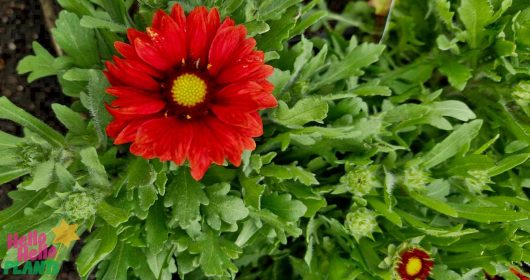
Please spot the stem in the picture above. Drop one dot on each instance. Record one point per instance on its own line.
(387, 23)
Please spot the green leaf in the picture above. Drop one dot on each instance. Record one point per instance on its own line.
(80, 7)
(308, 21)
(39, 65)
(228, 7)
(10, 111)
(451, 145)
(279, 31)
(98, 246)
(273, 9)
(77, 41)
(453, 108)
(475, 14)
(314, 64)
(93, 22)
(21, 200)
(300, 62)
(156, 228)
(114, 216)
(507, 164)
(406, 113)
(304, 111)
(216, 254)
(185, 195)
(147, 196)
(8, 141)
(284, 206)
(256, 27)
(372, 91)
(97, 97)
(446, 232)
(98, 175)
(385, 210)
(434, 204)
(41, 176)
(443, 9)
(360, 57)
(11, 173)
(71, 120)
(224, 207)
(116, 10)
(457, 73)
(488, 215)
(77, 75)
(286, 172)
(140, 173)
(280, 225)
(120, 261)
(252, 191)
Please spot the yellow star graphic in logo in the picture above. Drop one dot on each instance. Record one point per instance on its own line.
(65, 233)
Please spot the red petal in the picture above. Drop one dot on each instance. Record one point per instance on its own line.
(247, 96)
(133, 34)
(127, 76)
(196, 31)
(177, 13)
(130, 92)
(245, 71)
(164, 138)
(138, 105)
(151, 55)
(139, 72)
(128, 133)
(225, 47)
(213, 23)
(115, 127)
(251, 122)
(126, 50)
(175, 39)
(157, 19)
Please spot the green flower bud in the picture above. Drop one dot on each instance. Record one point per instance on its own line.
(359, 181)
(361, 223)
(415, 179)
(521, 92)
(32, 154)
(478, 181)
(79, 207)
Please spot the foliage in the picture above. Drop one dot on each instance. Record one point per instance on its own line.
(421, 140)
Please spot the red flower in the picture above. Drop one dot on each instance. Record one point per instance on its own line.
(189, 88)
(414, 264)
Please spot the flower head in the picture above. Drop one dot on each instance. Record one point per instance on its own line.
(478, 181)
(79, 207)
(361, 223)
(414, 264)
(189, 89)
(415, 179)
(359, 181)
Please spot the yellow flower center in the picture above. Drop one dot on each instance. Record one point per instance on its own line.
(188, 90)
(413, 266)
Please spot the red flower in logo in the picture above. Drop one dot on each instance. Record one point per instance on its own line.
(189, 88)
(414, 264)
